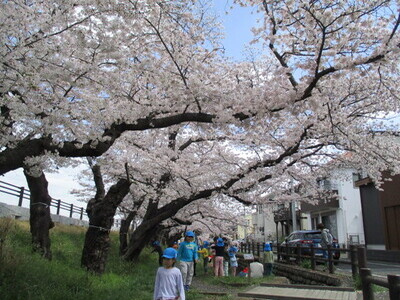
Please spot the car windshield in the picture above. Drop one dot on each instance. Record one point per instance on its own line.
(312, 236)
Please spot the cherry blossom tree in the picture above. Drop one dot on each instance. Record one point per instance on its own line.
(327, 79)
(329, 68)
(76, 76)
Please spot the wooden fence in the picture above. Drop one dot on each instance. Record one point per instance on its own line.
(299, 253)
(392, 282)
(358, 262)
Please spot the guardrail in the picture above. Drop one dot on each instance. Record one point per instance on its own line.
(22, 194)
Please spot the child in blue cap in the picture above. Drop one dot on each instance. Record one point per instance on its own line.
(268, 259)
(187, 255)
(219, 248)
(232, 258)
(169, 284)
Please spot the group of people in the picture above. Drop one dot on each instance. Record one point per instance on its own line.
(172, 282)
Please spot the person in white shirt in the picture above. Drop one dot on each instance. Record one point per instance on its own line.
(169, 283)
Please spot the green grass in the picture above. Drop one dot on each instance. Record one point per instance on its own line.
(25, 275)
(306, 264)
(375, 288)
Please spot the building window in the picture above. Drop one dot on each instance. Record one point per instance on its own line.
(356, 177)
(324, 184)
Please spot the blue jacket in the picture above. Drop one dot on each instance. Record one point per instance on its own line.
(187, 251)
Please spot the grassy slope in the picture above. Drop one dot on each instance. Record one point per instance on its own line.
(24, 275)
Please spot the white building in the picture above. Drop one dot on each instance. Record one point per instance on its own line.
(342, 214)
(263, 225)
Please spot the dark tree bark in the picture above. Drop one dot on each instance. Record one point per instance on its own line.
(12, 158)
(124, 231)
(126, 223)
(40, 219)
(140, 238)
(101, 211)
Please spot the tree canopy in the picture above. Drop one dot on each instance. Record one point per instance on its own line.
(76, 77)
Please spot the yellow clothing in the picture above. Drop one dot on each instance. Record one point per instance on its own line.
(268, 257)
(204, 252)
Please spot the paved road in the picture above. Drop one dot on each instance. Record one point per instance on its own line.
(379, 268)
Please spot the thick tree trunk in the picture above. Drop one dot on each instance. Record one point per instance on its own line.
(143, 234)
(96, 248)
(40, 219)
(101, 217)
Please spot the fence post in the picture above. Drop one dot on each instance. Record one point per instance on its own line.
(353, 260)
(287, 252)
(21, 195)
(365, 275)
(394, 286)
(58, 206)
(298, 253)
(278, 252)
(330, 259)
(362, 257)
(71, 210)
(81, 213)
(312, 249)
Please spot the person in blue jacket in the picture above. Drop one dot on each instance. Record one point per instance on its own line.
(187, 255)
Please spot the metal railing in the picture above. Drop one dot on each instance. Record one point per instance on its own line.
(22, 194)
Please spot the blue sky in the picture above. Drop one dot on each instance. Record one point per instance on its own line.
(237, 23)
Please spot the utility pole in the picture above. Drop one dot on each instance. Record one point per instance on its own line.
(293, 204)
(294, 221)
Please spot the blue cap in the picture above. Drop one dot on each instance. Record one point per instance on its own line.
(170, 253)
(220, 242)
(267, 247)
(189, 233)
(155, 243)
(206, 244)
